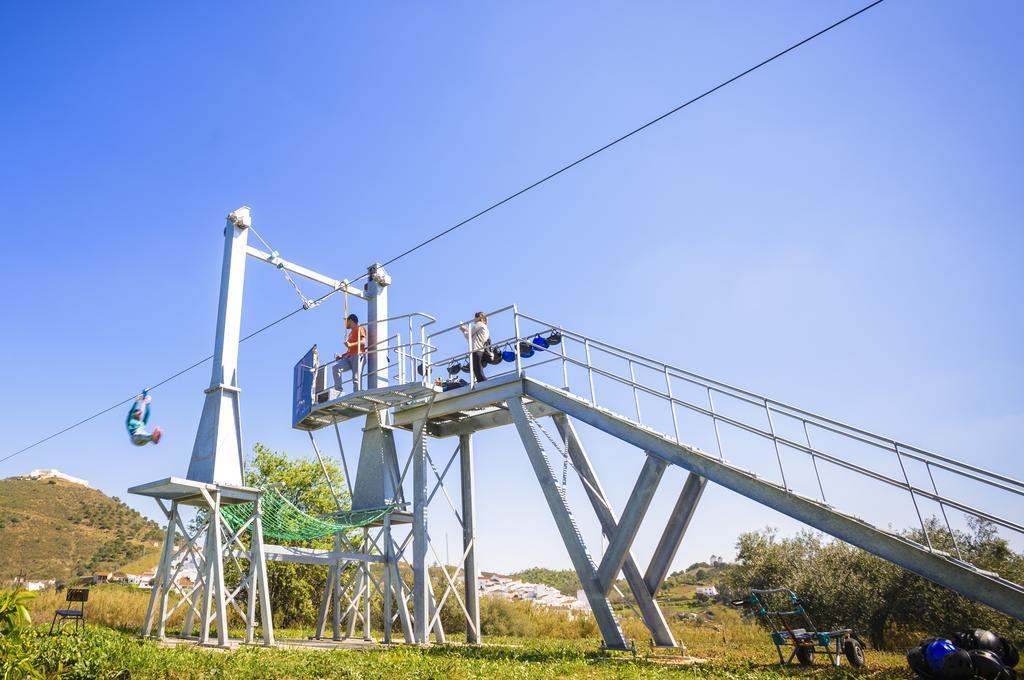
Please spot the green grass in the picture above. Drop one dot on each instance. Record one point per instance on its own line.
(733, 648)
(104, 653)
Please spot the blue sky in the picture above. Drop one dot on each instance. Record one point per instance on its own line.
(841, 230)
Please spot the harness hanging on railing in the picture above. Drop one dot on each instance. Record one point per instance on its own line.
(275, 259)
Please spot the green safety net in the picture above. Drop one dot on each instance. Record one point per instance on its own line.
(282, 520)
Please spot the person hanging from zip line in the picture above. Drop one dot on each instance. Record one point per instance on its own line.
(351, 360)
(138, 418)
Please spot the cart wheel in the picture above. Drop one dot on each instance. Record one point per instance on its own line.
(854, 652)
(805, 655)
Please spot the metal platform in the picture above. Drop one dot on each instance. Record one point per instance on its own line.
(364, 402)
(188, 492)
(462, 410)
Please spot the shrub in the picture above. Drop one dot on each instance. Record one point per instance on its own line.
(14, 614)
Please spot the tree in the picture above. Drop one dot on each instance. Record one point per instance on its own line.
(296, 589)
(843, 586)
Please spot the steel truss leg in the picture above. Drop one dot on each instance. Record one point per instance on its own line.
(420, 576)
(439, 635)
(325, 601)
(353, 609)
(629, 523)
(260, 583)
(367, 632)
(388, 605)
(672, 537)
(215, 589)
(470, 573)
(571, 537)
(649, 609)
(399, 588)
(163, 575)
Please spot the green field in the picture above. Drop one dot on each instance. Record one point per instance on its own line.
(731, 648)
(105, 653)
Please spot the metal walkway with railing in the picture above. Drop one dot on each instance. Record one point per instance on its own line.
(900, 502)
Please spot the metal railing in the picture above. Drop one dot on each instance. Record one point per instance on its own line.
(405, 354)
(786, 429)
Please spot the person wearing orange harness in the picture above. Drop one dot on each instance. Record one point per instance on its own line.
(351, 360)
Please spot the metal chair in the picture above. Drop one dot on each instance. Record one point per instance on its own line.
(80, 595)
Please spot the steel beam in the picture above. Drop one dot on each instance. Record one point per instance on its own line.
(649, 609)
(499, 417)
(491, 392)
(571, 537)
(675, 529)
(281, 263)
(995, 592)
(288, 553)
(633, 514)
(470, 573)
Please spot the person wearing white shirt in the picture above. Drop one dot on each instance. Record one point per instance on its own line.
(479, 337)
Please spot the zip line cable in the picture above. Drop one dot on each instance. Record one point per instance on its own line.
(150, 389)
(445, 232)
(629, 134)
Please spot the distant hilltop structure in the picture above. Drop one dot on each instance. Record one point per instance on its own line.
(54, 473)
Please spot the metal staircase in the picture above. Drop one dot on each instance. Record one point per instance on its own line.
(897, 501)
(860, 487)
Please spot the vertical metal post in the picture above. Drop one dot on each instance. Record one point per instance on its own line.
(208, 577)
(217, 452)
(421, 612)
(590, 372)
(325, 600)
(469, 356)
(814, 461)
(714, 420)
(367, 634)
(470, 573)
(254, 584)
(337, 588)
(266, 615)
(377, 326)
(636, 396)
(162, 586)
(388, 606)
(519, 359)
(565, 363)
(671, 404)
(218, 573)
(775, 440)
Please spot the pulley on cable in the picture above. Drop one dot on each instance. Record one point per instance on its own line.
(275, 259)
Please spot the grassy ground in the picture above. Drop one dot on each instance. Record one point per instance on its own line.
(732, 647)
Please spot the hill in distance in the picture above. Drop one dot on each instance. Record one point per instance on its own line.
(52, 529)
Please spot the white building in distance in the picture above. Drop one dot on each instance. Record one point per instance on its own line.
(53, 473)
